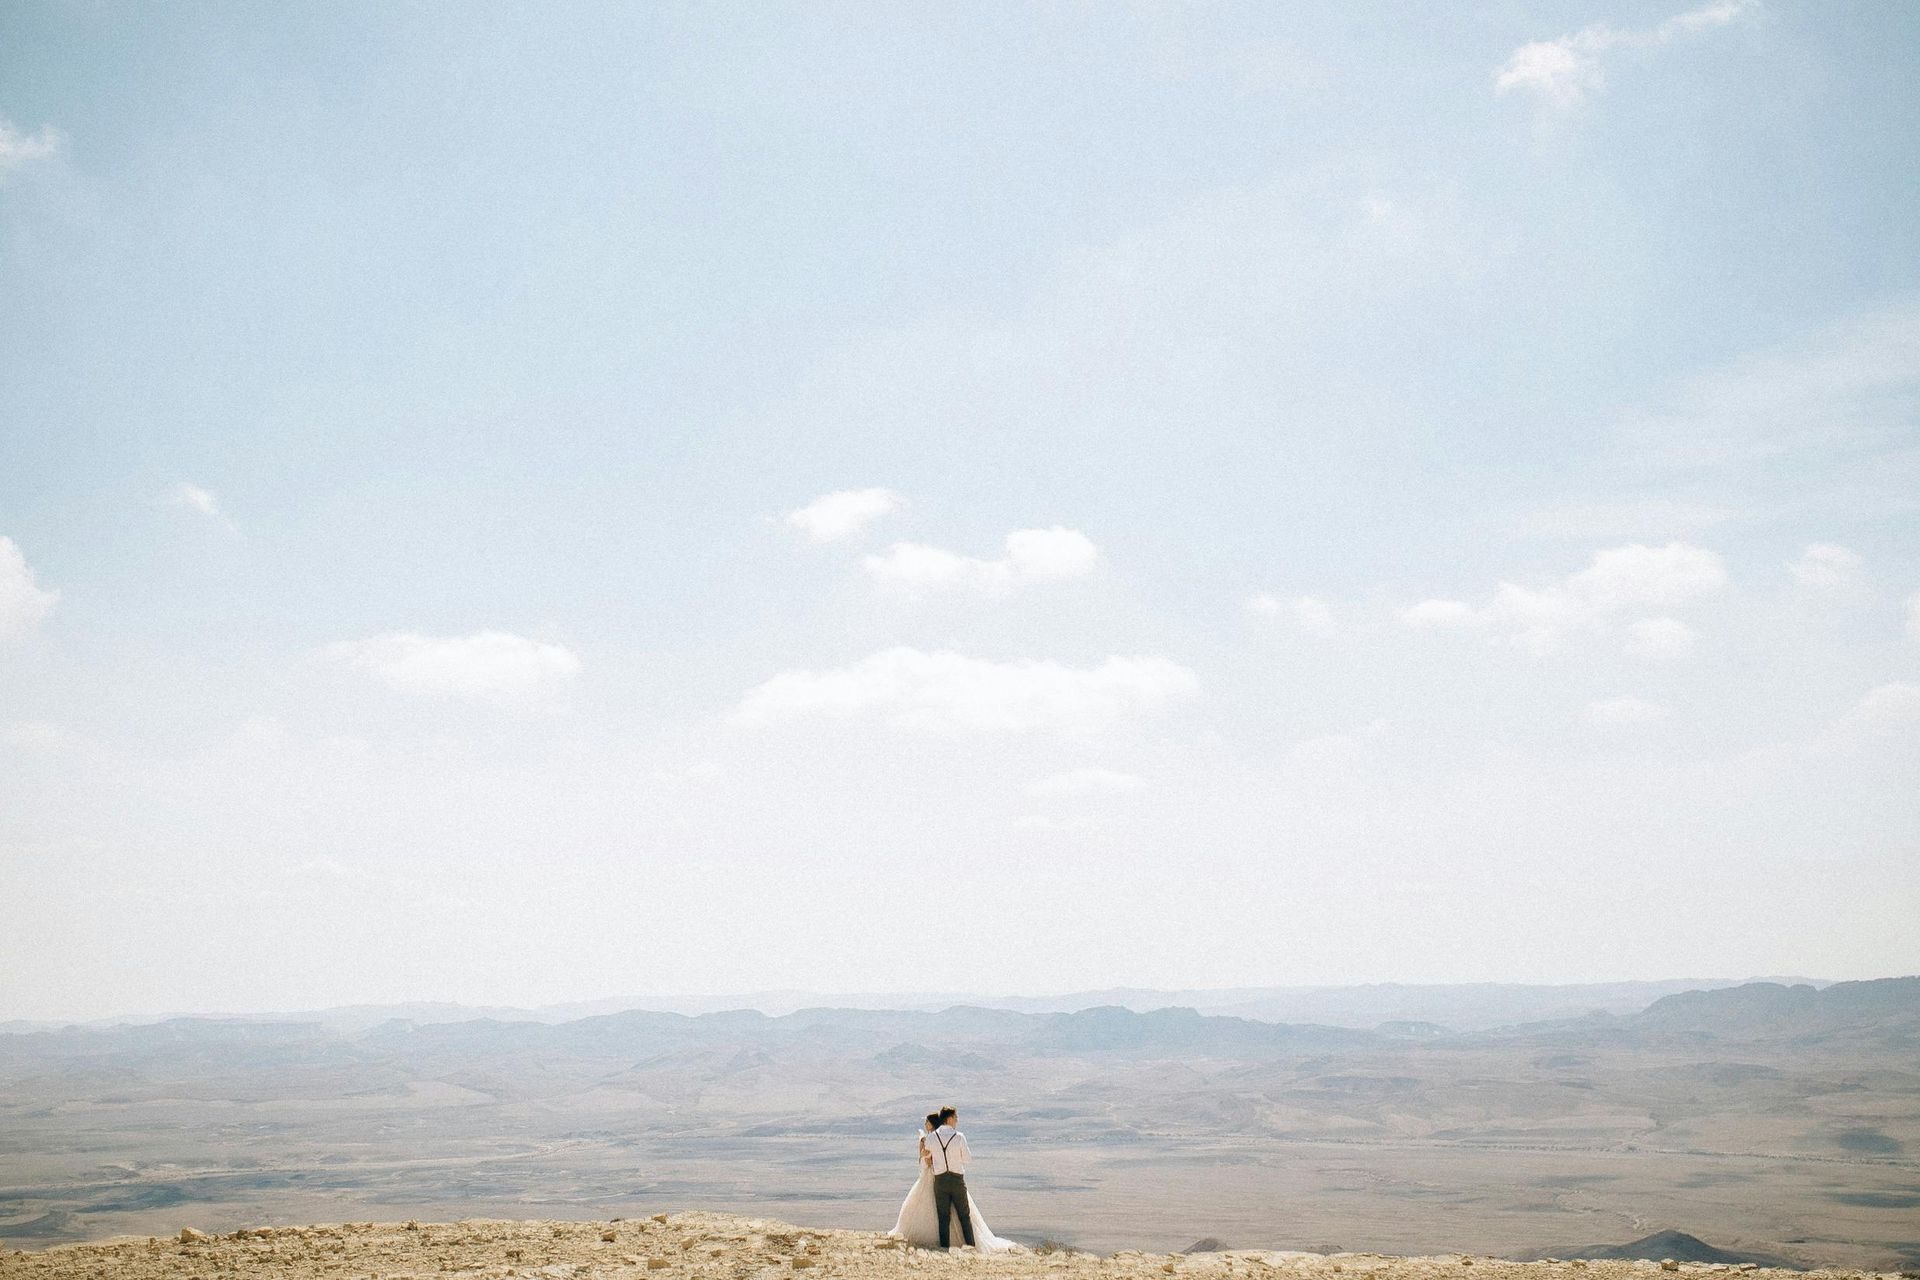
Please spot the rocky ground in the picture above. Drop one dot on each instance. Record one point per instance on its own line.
(708, 1246)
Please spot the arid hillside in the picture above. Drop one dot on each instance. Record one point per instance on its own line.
(711, 1246)
(1780, 1122)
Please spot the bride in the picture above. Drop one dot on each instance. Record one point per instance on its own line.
(919, 1222)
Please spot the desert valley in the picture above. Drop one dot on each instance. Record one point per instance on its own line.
(1778, 1123)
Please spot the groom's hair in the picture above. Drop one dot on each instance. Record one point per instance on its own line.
(947, 1113)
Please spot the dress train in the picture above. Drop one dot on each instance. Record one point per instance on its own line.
(919, 1222)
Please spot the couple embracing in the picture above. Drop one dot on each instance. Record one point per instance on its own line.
(940, 1195)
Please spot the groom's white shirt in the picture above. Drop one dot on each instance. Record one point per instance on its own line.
(948, 1146)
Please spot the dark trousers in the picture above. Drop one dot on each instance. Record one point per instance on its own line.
(950, 1192)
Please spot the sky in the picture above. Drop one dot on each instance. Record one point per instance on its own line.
(518, 504)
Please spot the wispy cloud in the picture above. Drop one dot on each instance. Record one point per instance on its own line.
(1031, 555)
(1619, 580)
(1563, 72)
(943, 690)
(1185, 318)
(194, 498)
(1813, 430)
(1826, 565)
(1308, 613)
(492, 666)
(1851, 389)
(23, 603)
(17, 148)
(846, 513)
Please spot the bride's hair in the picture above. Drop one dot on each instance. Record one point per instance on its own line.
(933, 1119)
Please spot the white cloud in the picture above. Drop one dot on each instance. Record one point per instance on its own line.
(1309, 613)
(192, 495)
(194, 498)
(1659, 639)
(1553, 70)
(942, 690)
(1032, 555)
(1615, 713)
(22, 603)
(17, 148)
(1084, 782)
(1051, 553)
(834, 517)
(1823, 564)
(1623, 577)
(1617, 580)
(488, 665)
(1563, 72)
(1913, 616)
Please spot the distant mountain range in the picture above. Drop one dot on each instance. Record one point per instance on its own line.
(1884, 1011)
(1454, 1006)
(1881, 1015)
(1721, 1110)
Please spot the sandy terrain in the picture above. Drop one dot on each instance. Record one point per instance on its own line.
(1771, 1122)
(722, 1247)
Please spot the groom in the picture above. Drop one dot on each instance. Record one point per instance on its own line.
(948, 1147)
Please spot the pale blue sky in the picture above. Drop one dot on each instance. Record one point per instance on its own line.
(332, 338)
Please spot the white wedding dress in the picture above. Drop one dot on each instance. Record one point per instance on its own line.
(919, 1223)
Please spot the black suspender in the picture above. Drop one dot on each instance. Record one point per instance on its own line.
(944, 1144)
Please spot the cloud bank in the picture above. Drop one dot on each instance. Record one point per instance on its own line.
(835, 517)
(1619, 580)
(1032, 555)
(1824, 565)
(495, 666)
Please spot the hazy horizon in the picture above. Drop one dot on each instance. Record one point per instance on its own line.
(513, 503)
(778, 1002)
